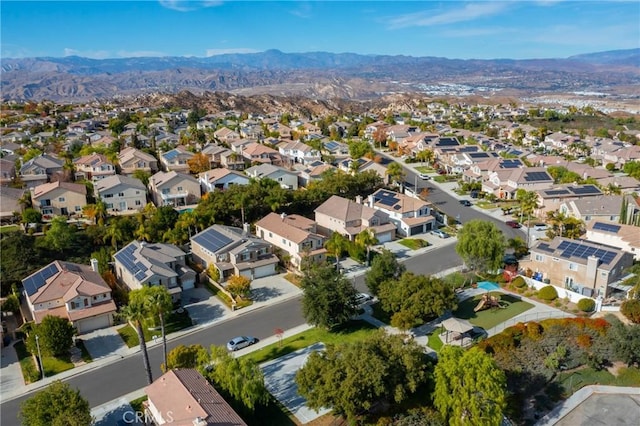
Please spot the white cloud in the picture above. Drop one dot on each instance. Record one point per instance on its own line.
(469, 12)
(214, 52)
(92, 54)
(188, 5)
(303, 10)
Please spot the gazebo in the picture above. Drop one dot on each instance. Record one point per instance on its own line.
(457, 326)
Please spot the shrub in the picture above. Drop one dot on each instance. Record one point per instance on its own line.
(548, 293)
(631, 310)
(586, 305)
(519, 282)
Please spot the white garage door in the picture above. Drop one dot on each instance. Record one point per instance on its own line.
(264, 271)
(90, 324)
(384, 237)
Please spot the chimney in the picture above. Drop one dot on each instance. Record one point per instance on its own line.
(359, 199)
(246, 227)
(370, 200)
(94, 265)
(283, 215)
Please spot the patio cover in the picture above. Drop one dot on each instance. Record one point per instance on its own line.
(457, 325)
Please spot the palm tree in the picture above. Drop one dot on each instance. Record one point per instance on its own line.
(425, 155)
(159, 303)
(115, 233)
(135, 312)
(336, 244)
(528, 202)
(395, 172)
(366, 239)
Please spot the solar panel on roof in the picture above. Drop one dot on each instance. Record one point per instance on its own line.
(608, 227)
(582, 251)
(478, 155)
(557, 192)
(212, 240)
(447, 142)
(38, 279)
(536, 176)
(584, 190)
(510, 164)
(170, 155)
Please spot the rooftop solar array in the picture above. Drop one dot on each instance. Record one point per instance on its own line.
(585, 190)
(386, 198)
(478, 155)
(128, 260)
(447, 142)
(37, 280)
(212, 240)
(331, 145)
(545, 247)
(571, 249)
(608, 227)
(470, 148)
(536, 176)
(557, 192)
(510, 164)
(170, 155)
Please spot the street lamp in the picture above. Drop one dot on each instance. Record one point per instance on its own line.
(40, 356)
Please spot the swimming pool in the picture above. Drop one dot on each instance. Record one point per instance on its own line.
(488, 285)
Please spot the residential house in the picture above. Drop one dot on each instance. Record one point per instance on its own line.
(141, 264)
(285, 178)
(295, 235)
(336, 149)
(131, 159)
(257, 153)
(93, 167)
(550, 200)
(313, 173)
(10, 202)
(214, 153)
(623, 237)
(7, 171)
(176, 160)
(221, 179)
(411, 216)
(41, 169)
(284, 132)
(71, 291)
(121, 193)
(349, 218)
(579, 265)
(174, 189)
(59, 198)
(505, 183)
(232, 160)
(183, 397)
(298, 152)
(226, 135)
(603, 208)
(233, 251)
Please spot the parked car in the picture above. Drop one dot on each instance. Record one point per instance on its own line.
(240, 342)
(424, 176)
(440, 233)
(362, 298)
(466, 203)
(513, 224)
(540, 227)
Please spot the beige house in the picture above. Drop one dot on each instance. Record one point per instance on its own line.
(59, 198)
(174, 189)
(624, 237)
(93, 167)
(411, 216)
(582, 266)
(72, 291)
(176, 160)
(131, 159)
(349, 218)
(121, 193)
(295, 235)
(183, 397)
(41, 169)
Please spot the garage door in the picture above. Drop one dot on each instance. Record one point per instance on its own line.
(417, 230)
(188, 283)
(384, 237)
(264, 271)
(90, 324)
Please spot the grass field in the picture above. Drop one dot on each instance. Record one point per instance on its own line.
(174, 322)
(434, 341)
(9, 228)
(413, 243)
(351, 332)
(491, 317)
(572, 381)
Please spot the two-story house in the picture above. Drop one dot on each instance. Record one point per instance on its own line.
(147, 264)
(233, 251)
(59, 198)
(226, 135)
(349, 218)
(7, 171)
(285, 178)
(504, 183)
(121, 193)
(298, 152)
(221, 179)
(93, 167)
(603, 208)
(295, 235)
(411, 216)
(176, 160)
(10, 201)
(257, 153)
(214, 154)
(174, 189)
(72, 291)
(623, 237)
(579, 265)
(131, 159)
(40, 169)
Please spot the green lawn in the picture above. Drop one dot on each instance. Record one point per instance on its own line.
(9, 228)
(489, 318)
(136, 404)
(425, 169)
(434, 341)
(174, 322)
(30, 372)
(413, 243)
(53, 366)
(572, 381)
(351, 332)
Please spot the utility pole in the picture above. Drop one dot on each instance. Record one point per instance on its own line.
(40, 356)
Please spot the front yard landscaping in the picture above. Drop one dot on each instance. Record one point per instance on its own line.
(413, 243)
(173, 322)
(489, 318)
(29, 367)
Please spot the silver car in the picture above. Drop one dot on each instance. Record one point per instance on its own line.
(240, 342)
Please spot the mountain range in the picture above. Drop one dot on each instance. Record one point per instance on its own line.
(317, 75)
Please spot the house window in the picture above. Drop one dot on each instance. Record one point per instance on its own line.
(86, 302)
(61, 199)
(179, 188)
(73, 305)
(95, 297)
(138, 203)
(284, 241)
(107, 196)
(166, 190)
(78, 208)
(573, 267)
(270, 234)
(539, 258)
(603, 273)
(109, 205)
(120, 194)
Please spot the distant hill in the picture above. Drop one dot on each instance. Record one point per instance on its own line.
(319, 75)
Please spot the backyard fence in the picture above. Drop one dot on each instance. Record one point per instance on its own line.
(536, 316)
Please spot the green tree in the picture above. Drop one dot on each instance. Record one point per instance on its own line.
(625, 340)
(379, 369)
(31, 215)
(239, 285)
(426, 155)
(135, 313)
(358, 149)
(337, 244)
(416, 299)
(192, 356)
(470, 388)
(395, 172)
(158, 303)
(384, 267)
(528, 202)
(329, 297)
(11, 304)
(241, 378)
(55, 335)
(631, 309)
(61, 236)
(142, 175)
(481, 245)
(57, 405)
(366, 239)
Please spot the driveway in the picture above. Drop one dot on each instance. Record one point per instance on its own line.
(279, 378)
(104, 342)
(10, 372)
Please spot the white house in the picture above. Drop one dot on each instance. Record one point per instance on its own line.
(121, 193)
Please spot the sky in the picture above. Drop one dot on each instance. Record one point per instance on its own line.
(512, 29)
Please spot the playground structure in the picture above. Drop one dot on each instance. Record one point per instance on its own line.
(488, 301)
